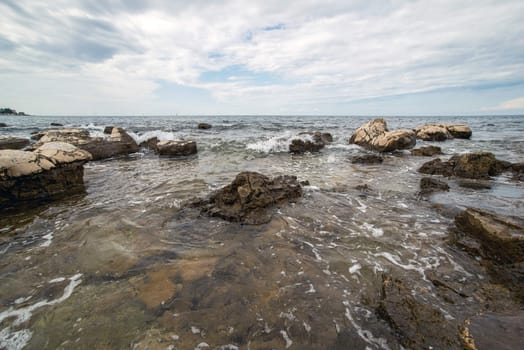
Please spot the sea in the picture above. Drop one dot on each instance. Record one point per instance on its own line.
(118, 267)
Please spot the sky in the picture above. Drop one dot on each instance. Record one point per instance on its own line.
(328, 57)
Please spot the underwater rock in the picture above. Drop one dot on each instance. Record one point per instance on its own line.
(374, 135)
(13, 142)
(428, 151)
(367, 159)
(317, 142)
(479, 165)
(54, 169)
(442, 132)
(429, 185)
(176, 148)
(417, 324)
(204, 126)
(250, 198)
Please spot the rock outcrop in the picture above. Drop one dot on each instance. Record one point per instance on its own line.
(176, 148)
(13, 142)
(480, 165)
(374, 135)
(52, 170)
(204, 126)
(429, 185)
(313, 142)
(442, 132)
(250, 198)
(428, 151)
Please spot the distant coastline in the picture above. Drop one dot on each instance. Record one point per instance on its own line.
(10, 111)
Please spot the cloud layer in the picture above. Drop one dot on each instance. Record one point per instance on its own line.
(238, 56)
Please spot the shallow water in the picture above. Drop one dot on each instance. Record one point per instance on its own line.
(120, 267)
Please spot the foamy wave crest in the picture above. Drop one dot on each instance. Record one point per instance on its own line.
(277, 144)
(161, 135)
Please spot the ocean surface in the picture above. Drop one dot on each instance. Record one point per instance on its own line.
(118, 268)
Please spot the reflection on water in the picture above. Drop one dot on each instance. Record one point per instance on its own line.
(120, 267)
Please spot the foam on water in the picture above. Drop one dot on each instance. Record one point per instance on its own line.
(277, 144)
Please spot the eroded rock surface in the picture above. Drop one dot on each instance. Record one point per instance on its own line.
(13, 142)
(428, 151)
(429, 185)
(316, 142)
(176, 148)
(442, 132)
(250, 198)
(480, 165)
(150, 143)
(374, 135)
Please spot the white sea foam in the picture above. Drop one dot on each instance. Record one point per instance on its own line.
(161, 135)
(288, 340)
(365, 334)
(277, 144)
(375, 231)
(48, 239)
(355, 268)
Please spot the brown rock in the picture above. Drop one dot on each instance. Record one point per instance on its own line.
(317, 142)
(13, 142)
(459, 131)
(436, 167)
(479, 165)
(150, 143)
(367, 159)
(176, 148)
(501, 237)
(250, 197)
(374, 135)
(204, 126)
(433, 132)
(429, 185)
(501, 331)
(428, 151)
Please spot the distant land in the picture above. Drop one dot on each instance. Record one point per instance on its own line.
(10, 111)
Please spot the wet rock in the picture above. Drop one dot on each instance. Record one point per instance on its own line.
(518, 171)
(442, 132)
(150, 143)
(475, 184)
(56, 124)
(13, 142)
(204, 126)
(501, 331)
(54, 169)
(428, 151)
(250, 198)
(429, 185)
(37, 135)
(176, 148)
(108, 129)
(3, 125)
(374, 135)
(367, 159)
(417, 324)
(480, 165)
(316, 143)
(501, 237)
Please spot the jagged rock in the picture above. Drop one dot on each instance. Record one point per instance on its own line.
(316, 143)
(429, 185)
(176, 148)
(150, 143)
(3, 125)
(479, 165)
(118, 143)
(501, 237)
(374, 135)
(13, 142)
(204, 126)
(367, 159)
(37, 135)
(54, 169)
(250, 197)
(442, 132)
(428, 151)
(418, 325)
(501, 331)
(56, 124)
(108, 130)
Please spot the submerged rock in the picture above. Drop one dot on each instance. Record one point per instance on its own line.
(250, 198)
(428, 151)
(317, 142)
(429, 185)
(13, 142)
(367, 159)
(150, 143)
(442, 132)
(501, 237)
(56, 124)
(204, 126)
(417, 324)
(480, 165)
(3, 125)
(374, 135)
(176, 148)
(54, 169)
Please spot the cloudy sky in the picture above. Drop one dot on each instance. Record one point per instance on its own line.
(262, 57)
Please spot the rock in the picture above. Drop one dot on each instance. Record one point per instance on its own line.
(501, 237)
(204, 126)
(367, 159)
(316, 142)
(429, 185)
(442, 132)
(150, 143)
(56, 124)
(501, 331)
(418, 324)
(518, 171)
(3, 125)
(37, 135)
(480, 165)
(13, 142)
(250, 197)
(176, 148)
(108, 130)
(428, 151)
(475, 184)
(55, 169)
(375, 136)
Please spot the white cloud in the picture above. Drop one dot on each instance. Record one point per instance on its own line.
(320, 52)
(514, 104)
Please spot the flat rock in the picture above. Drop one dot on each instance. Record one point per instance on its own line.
(250, 198)
(442, 132)
(501, 237)
(479, 165)
(176, 148)
(428, 151)
(374, 135)
(63, 153)
(367, 159)
(13, 142)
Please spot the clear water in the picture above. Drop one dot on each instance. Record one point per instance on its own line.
(120, 268)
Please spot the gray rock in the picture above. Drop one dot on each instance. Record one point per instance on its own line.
(176, 148)
(204, 126)
(13, 142)
(429, 185)
(367, 159)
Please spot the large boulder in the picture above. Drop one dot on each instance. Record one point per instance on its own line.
(13, 142)
(374, 135)
(53, 170)
(479, 165)
(442, 132)
(250, 198)
(176, 148)
(501, 237)
(310, 142)
(428, 151)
